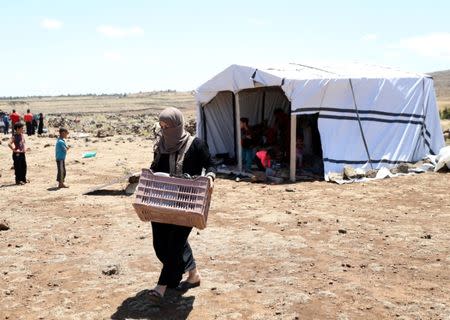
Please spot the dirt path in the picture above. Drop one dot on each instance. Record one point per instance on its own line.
(377, 250)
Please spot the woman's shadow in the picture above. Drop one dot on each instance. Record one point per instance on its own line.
(173, 306)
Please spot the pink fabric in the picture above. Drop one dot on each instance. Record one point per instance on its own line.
(264, 157)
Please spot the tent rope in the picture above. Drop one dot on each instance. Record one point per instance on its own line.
(360, 125)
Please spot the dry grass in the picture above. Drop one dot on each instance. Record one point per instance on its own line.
(148, 102)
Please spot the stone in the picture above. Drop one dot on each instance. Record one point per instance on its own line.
(371, 173)
(103, 134)
(111, 270)
(400, 168)
(342, 231)
(4, 225)
(350, 173)
(335, 176)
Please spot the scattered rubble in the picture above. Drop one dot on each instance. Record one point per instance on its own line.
(111, 124)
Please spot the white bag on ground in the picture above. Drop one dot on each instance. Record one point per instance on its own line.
(442, 159)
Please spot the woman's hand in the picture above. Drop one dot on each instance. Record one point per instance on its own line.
(211, 181)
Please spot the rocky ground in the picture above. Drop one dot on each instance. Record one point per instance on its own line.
(310, 250)
(110, 124)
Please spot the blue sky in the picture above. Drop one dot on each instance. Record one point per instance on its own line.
(61, 47)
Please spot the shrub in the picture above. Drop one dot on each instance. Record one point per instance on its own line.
(445, 114)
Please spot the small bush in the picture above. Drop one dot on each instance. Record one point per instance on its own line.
(445, 114)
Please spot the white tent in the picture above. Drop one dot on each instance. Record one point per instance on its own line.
(368, 116)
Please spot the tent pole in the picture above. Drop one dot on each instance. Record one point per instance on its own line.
(263, 111)
(205, 134)
(360, 125)
(238, 131)
(293, 154)
(233, 98)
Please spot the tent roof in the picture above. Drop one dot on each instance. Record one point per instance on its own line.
(296, 71)
(237, 77)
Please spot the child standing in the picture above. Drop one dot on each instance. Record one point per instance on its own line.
(28, 118)
(247, 145)
(5, 120)
(17, 145)
(60, 154)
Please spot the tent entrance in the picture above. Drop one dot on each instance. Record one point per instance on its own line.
(265, 136)
(308, 146)
(273, 130)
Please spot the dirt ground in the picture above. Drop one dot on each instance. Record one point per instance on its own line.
(310, 250)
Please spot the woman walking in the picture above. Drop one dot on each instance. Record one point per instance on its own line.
(171, 241)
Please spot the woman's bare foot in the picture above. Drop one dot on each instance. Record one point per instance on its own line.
(194, 276)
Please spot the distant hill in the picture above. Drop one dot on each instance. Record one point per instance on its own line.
(442, 84)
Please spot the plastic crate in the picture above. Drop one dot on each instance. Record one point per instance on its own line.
(179, 201)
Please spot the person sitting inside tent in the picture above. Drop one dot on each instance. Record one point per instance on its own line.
(264, 159)
(282, 130)
(299, 152)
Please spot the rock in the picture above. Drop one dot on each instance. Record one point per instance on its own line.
(289, 190)
(371, 173)
(111, 270)
(4, 225)
(342, 231)
(400, 168)
(47, 145)
(104, 134)
(350, 173)
(335, 176)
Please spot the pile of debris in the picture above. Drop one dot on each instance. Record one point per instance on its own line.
(350, 174)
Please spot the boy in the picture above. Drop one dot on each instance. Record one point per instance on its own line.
(28, 118)
(60, 153)
(5, 120)
(15, 118)
(17, 145)
(247, 145)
